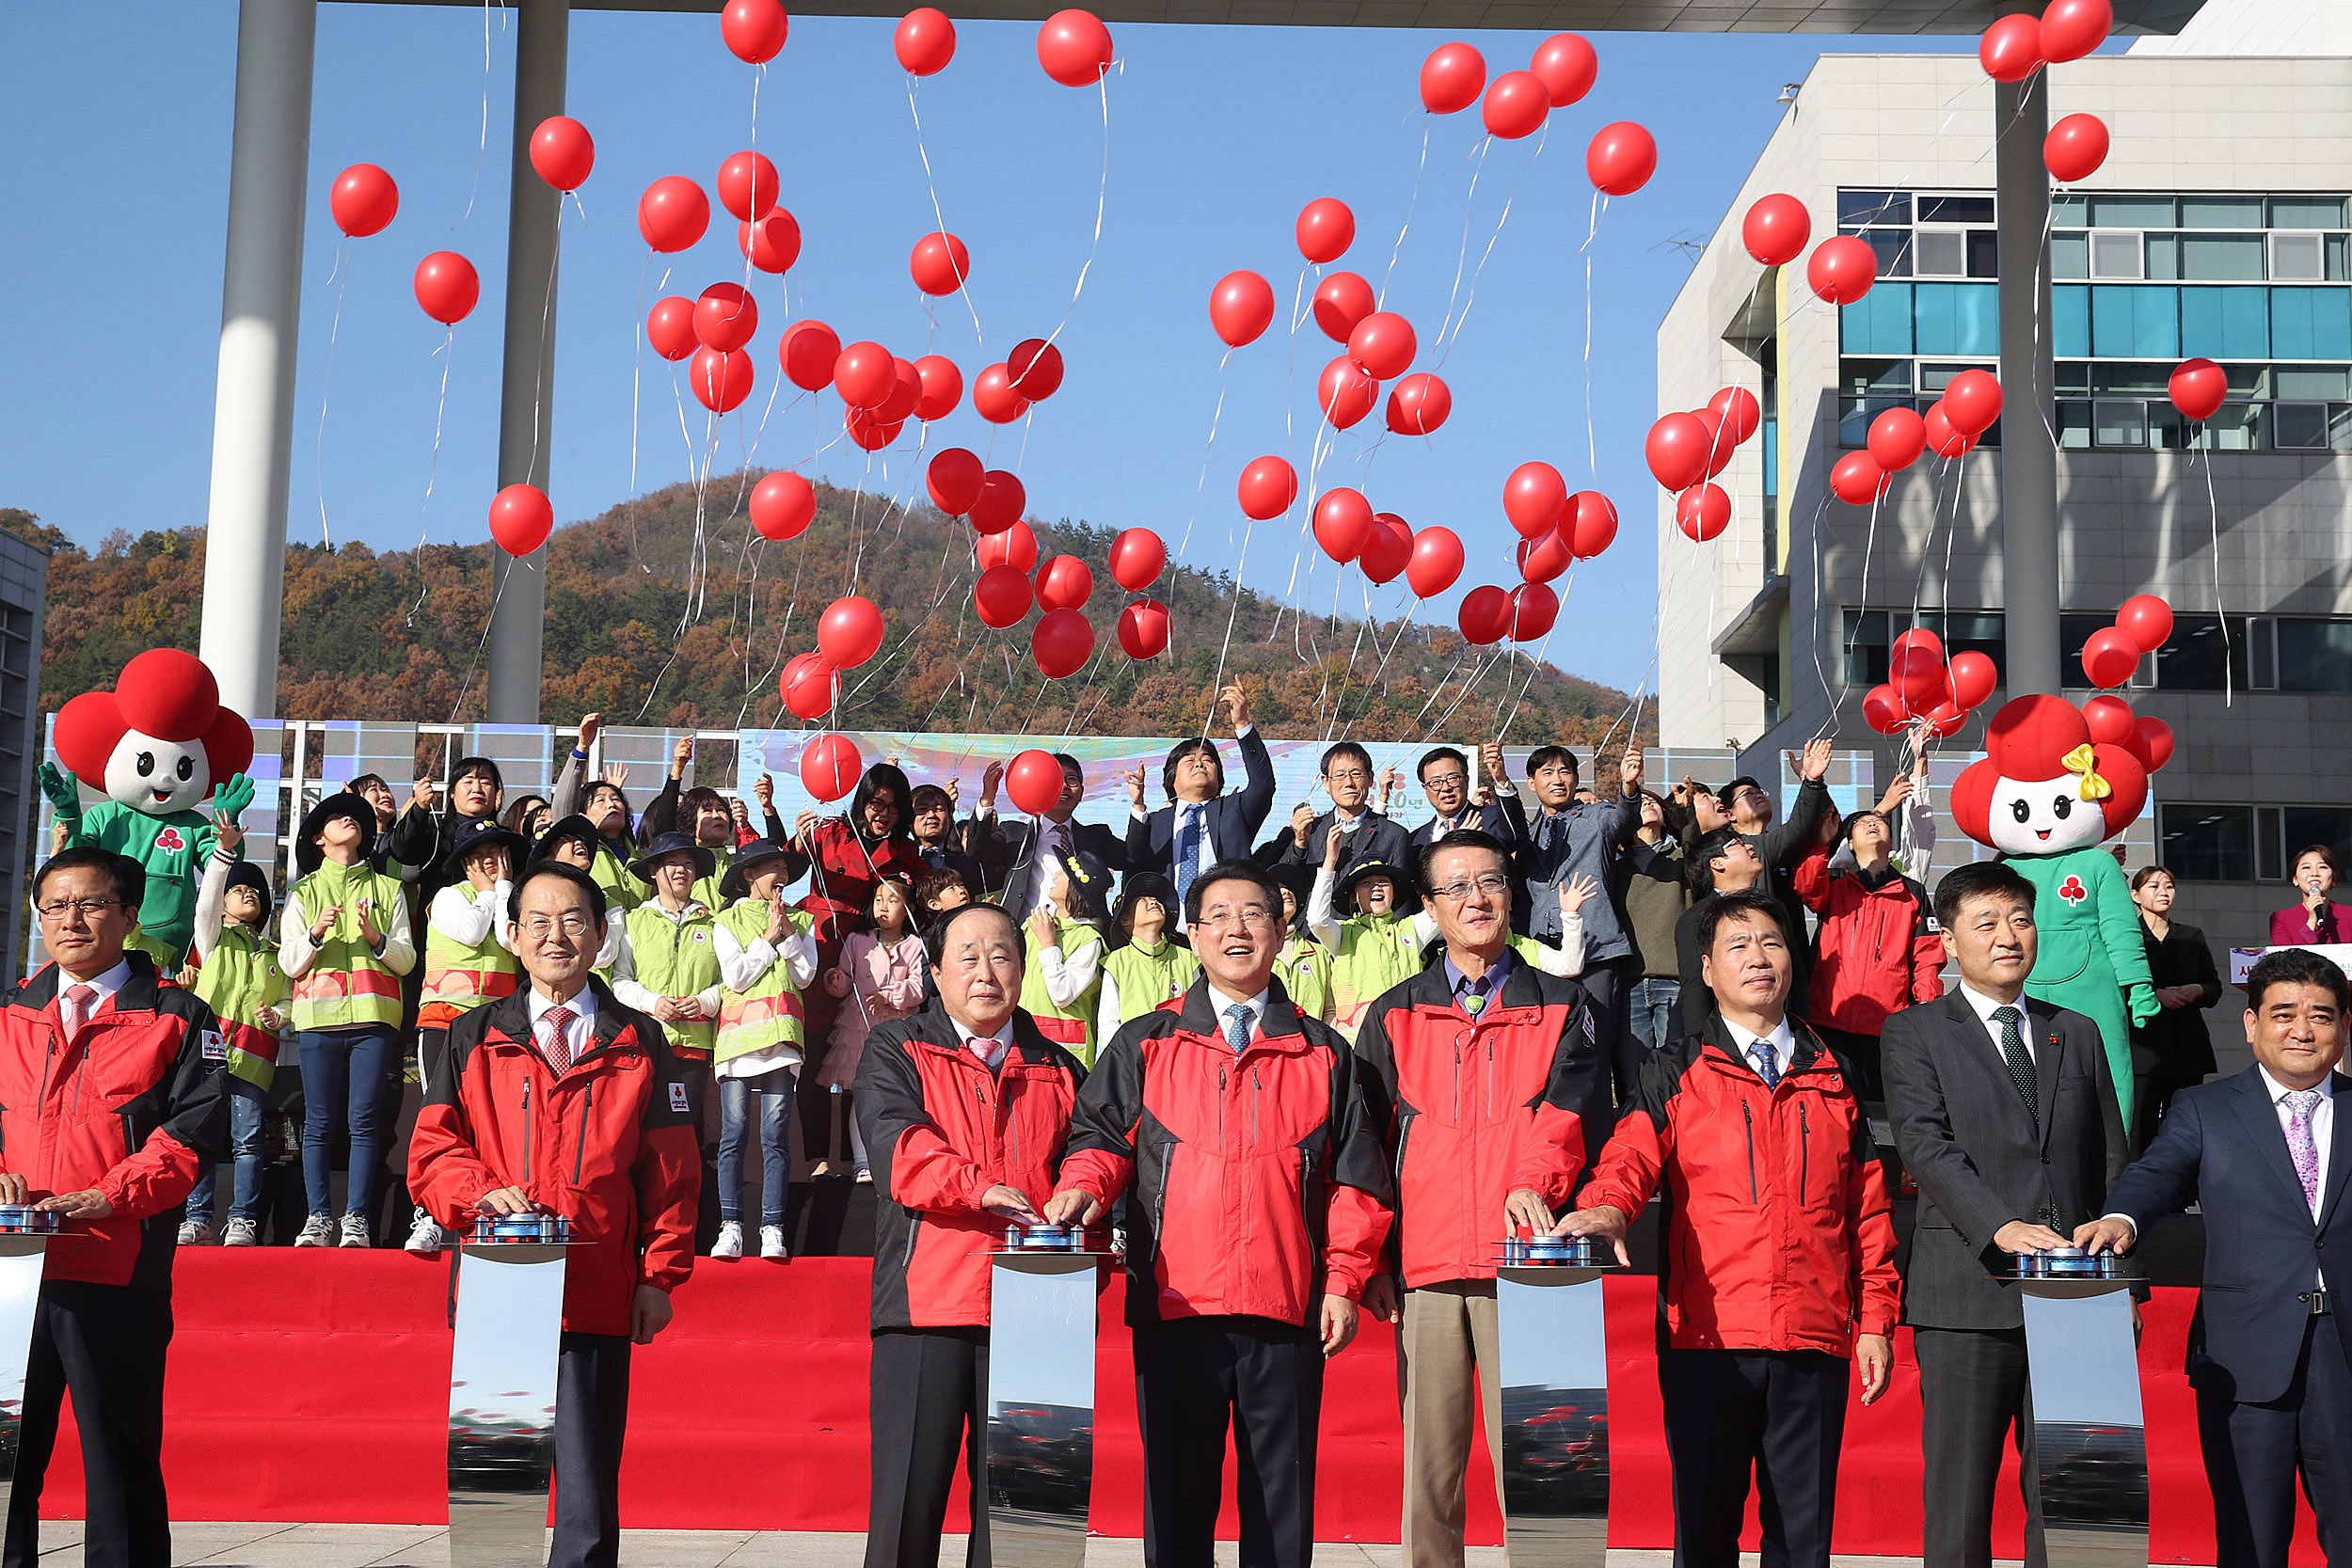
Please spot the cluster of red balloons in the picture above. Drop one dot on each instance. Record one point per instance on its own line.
(1776, 230)
(2015, 47)
(2142, 624)
(1555, 528)
(1952, 427)
(1923, 684)
(1562, 71)
(1686, 451)
(848, 633)
(2149, 739)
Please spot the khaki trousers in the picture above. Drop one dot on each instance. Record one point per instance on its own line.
(1446, 1360)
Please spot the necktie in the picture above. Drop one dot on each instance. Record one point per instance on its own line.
(1548, 833)
(2302, 1145)
(984, 1050)
(2020, 1071)
(558, 1050)
(1187, 849)
(1767, 1063)
(1237, 1027)
(75, 1012)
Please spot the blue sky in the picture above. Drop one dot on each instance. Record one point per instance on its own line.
(114, 169)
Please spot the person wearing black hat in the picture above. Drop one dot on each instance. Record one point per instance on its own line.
(1149, 968)
(238, 976)
(1060, 984)
(1366, 832)
(767, 957)
(668, 964)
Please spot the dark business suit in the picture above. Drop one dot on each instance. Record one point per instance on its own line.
(2273, 1391)
(1232, 819)
(1376, 838)
(1489, 818)
(1981, 1159)
(1011, 856)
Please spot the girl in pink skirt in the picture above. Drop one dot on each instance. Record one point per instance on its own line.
(883, 978)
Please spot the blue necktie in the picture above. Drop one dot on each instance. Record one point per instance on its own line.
(1187, 849)
(1767, 1063)
(1237, 1027)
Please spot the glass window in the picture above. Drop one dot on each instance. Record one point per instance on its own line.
(1892, 246)
(2238, 427)
(2071, 375)
(2070, 325)
(1879, 323)
(2248, 381)
(2307, 212)
(2299, 426)
(1869, 633)
(1942, 253)
(2132, 211)
(2297, 259)
(2311, 324)
(2307, 825)
(2164, 257)
(2120, 423)
(1957, 318)
(2167, 427)
(1984, 253)
(2073, 631)
(2313, 382)
(2225, 324)
(2315, 655)
(2069, 212)
(1873, 207)
(1976, 209)
(2069, 256)
(1862, 377)
(2152, 380)
(2337, 270)
(2073, 424)
(2128, 322)
(2191, 661)
(2206, 844)
(2221, 212)
(2117, 254)
(2222, 258)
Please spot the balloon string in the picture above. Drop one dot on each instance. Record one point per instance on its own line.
(447, 354)
(1410, 205)
(1592, 453)
(482, 149)
(1200, 486)
(341, 277)
(637, 366)
(1501, 218)
(931, 184)
(1102, 197)
(539, 368)
(2213, 511)
(1469, 201)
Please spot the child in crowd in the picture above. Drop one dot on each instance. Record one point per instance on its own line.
(668, 965)
(1303, 965)
(766, 956)
(937, 892)
(1061, 987)
(882, 978)
(1150, 968)
(238, 976)
(528, 817)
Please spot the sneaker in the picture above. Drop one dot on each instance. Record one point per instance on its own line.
(195, 1233)
(318, 1230)
(425, 1237)
(771, 1243)
(865, 1174)
(241, 1233)
(356, 1231)
(730, 1242)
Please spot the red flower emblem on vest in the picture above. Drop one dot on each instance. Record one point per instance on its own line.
(170, 839)
(2073, 891)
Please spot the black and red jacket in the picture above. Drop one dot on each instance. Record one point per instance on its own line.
(940, 1129)
(1877, 949)
(1261, 1185)
(1472, 1110)
(1776, 1234)
(610, 1144)
(132, 1108)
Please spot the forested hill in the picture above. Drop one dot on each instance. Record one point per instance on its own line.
(643, 620)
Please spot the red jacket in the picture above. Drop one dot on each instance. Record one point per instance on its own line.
(610, 1145)
(1778, 1235)
(1472, 1111)
(132, 1108)
(1259, 1184)
(1877, 951)
(844, 874)
(940, 1129)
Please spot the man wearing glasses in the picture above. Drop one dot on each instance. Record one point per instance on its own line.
(1487, 1083)
(111, 1111)
(1365, 833)
(1445, 785)
(1260, 1201)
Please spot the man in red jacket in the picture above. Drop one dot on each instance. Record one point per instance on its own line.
(1485, 1077)
(560, 1099)
(110, 1111)
(1877, 950)
(1777, 1261)
(966, 1108)
(1260, 1200)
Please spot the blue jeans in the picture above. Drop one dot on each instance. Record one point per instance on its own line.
(1649, 1009)
(775, 1144)
(343, 1072)
(245, 1144)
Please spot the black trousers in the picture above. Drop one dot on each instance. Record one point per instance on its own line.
(1777, 1414)
(1975, 1399)
(591, 1423)
(929, 1401)
(1604, 982)
(1194, 1378)
(2254, 1452)
(107, 1344)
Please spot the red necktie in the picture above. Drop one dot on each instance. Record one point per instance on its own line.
(75, 1012)
(559, 1049)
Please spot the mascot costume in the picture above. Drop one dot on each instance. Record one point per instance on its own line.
(2048, 798)
(156, 746)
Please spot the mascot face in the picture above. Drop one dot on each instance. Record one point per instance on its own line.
(158, 777)
(2042, 817)
(157, 742)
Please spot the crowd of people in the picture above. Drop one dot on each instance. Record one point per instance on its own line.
(1290, 1078)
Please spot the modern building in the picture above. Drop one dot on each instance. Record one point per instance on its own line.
(2217, 227)
(23, 590)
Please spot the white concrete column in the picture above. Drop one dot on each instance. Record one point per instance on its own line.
(2029, 509)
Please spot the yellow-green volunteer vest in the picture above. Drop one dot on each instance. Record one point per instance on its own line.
(1305, 970)
(1375, 953)
(1149, 977)
(347, 986)
(675, 958)
(707, 888)
(623, 891)
(1071, 1026)
(770, 1014)
(240, 978)
(464, 976)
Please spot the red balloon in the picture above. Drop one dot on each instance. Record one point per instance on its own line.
(1721, 447)
(1972, 401)
(1858, 480)
(1946, 719)
(1678, 450)
(939, 264)
(1036, 367)
(720, 381)
(2075, 147)
(2111, 720)
(811, 686)
(943, 386)
(1920, 637)
(1742, 415)
(1486, 616)
(1943, 439)
(1916, 672)
(1143, 630)
(1546, 556)
(1566, 64)
(869, 430)
(1064, 583)
(783, 506)
(906, 392)
(447, 287)
(2011, 49)
(563, 153)
(994, 399)
(725, 316)
(1534, 609)
(1325, 230)
(772, 242)
(808, 351)
(2072, 28)
(1267, 488)
(1593, 523)
(1516, 105)
(521, 518)
(849, 631)
(756, 30)
(1703, 511)
(2154, 742)
(1062, 643)
(1347, 392)
(1387, 549)
(1002, 596)
(747, 183)
(953, 480)
(1621, 158)
(999, 505)
(1383, 345)
(1883, 711)
(830, 765)
(864, 374)
(1972, 677)
(1075, 48)
(1898, 436)
(363, 198)
(1532, 497)
(1137, 559)
(1241, 307)
(670, 327)
(1451, 78)
(2147, 620)
(1436, 563)
(1015, 547)
(2110, 658)
(1419, 405)
(1343, 522)
(1341, 300)
(1842, 269)
(2198, 388)
(1035, 782)
(1777, 228)
(925, 41)
(672, 213)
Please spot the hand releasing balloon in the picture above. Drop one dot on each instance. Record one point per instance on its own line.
(521, 519)
(925, 41)
(563, 153)
(673, 214)
(447, 287)
(1621, 158)
(1325, 230)
(1075, 48)
(1451, 78)
(363, 200)
(1240, 307)
(1775, 230)
(783, 506)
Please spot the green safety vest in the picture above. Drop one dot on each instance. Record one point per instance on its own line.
(347, 986)
(1072, 1026)
(770, 1014)
(674, 958)
(242, 977)
(465, 976)
(623, 891)
(1375, 954)
(1305, 970)
(707, 888)
(1146, 978)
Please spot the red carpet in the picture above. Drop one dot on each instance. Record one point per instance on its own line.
(313, 1388)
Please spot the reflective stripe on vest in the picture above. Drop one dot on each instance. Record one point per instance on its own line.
(466, 975)
(348, 987)
(346, 998)
(770, 1014)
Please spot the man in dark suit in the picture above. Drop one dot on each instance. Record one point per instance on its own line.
(2266, 1155)
(2006, 1117)
(1367, 835)
(1203, 824)
(1019, 860)
(1445, 784)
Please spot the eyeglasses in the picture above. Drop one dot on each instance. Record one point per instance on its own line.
(1348, 775)
(87, 907)
(1445, 781)
(539, 927)
(1491, 885)
(1250, 918)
